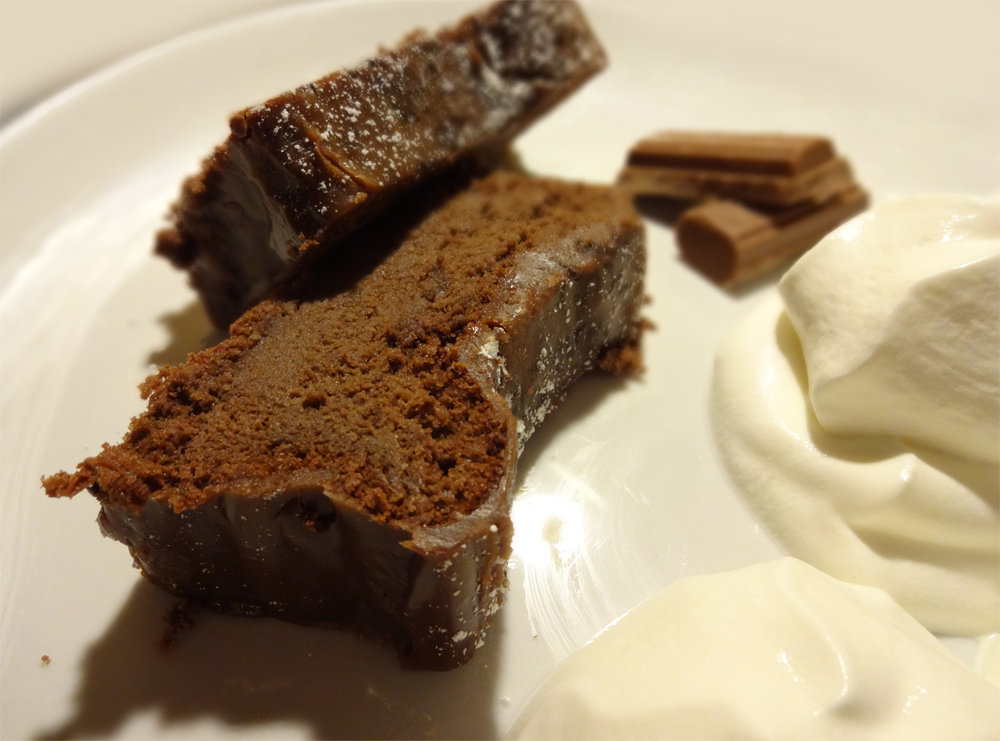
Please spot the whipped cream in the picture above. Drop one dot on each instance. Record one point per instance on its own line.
(777, 650)
(899, 319)
(898, 355)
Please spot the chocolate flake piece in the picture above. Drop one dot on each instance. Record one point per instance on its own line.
(765, 169)
(307, 167)
(731, 243)
(349, 453)
(179, 618)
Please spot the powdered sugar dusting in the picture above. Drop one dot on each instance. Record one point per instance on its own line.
(406, 113)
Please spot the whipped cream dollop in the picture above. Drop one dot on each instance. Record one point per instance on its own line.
(859, 416)
(776, 650)
(899, 319)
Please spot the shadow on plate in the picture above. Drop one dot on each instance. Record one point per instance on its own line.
(247, 672)
(660, 209)
(190, 331)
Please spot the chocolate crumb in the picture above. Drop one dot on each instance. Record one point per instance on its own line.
(179, 617)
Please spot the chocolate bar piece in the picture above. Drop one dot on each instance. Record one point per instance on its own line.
(765, 169)
(307, 167)
(731, 243)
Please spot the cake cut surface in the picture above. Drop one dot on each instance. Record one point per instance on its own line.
(309, 166)
(348, 454)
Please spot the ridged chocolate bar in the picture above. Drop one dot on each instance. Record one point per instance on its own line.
(731, 243)
(762, 169)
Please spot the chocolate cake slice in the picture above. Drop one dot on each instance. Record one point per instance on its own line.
(307, 167)
(348, 454)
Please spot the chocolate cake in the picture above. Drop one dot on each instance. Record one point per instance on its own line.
(307, 167)
(348, 454)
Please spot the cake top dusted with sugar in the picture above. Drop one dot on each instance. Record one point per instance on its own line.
(303, 170)
(473, 82)
(353, 133)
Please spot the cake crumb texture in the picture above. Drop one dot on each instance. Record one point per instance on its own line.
(362, 393)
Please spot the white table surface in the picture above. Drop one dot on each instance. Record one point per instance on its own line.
(47, 45)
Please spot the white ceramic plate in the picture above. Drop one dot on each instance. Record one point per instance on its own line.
(620, 491)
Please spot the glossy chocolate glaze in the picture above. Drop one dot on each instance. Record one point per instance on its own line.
(309, 166)
(304, 556)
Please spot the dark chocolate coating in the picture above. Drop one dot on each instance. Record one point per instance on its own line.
(311, 165)
(306, 557)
